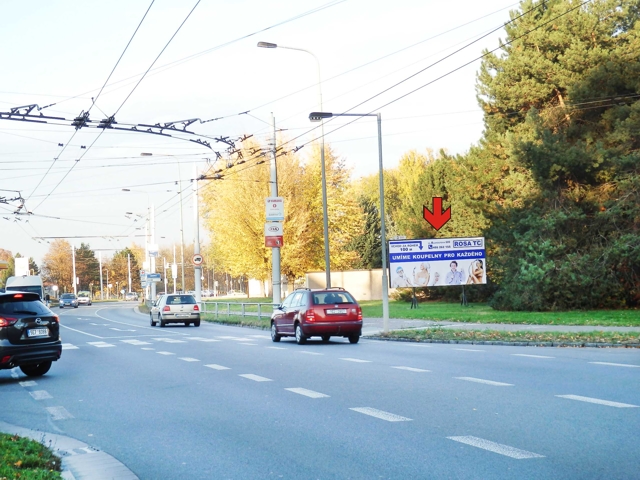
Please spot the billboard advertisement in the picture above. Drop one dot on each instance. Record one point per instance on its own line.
(437, 262)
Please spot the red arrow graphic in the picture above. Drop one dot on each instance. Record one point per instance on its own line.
(438, 218)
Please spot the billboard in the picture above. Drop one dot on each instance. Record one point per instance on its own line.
(437, 262)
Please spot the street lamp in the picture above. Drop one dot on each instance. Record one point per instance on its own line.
(325, 218)
(319, 116)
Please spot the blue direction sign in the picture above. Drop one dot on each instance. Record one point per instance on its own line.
(153, 277)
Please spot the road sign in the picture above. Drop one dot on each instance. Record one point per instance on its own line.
(274, 208)
(174, 270)
(437, 262)
(197, 259)
(153, 277)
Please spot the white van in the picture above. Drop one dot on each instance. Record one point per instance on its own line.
(26, 283)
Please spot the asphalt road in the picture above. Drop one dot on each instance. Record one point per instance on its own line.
(220, 402)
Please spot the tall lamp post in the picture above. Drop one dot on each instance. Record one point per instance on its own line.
(319, 116)
(325, 218)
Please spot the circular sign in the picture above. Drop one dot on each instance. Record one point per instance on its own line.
(197, 259)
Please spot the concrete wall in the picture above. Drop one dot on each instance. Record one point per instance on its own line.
(362, 284)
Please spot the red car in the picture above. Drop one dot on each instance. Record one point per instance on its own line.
(317, 313)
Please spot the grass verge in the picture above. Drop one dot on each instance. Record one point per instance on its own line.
(26, 459)
(237, 320)
(583, 338)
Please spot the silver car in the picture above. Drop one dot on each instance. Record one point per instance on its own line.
(154, 310)
(176, 309)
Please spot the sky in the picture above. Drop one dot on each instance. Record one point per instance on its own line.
(95, 186)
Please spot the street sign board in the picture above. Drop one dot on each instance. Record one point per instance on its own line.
(197, 259)
(153, 277)
(274, 208)
(153, 250)
(437, 262)
(174, 270)
(273, 234)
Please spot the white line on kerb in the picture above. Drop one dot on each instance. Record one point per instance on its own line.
(40, 395)
(496, 447)
(412, 369)
(598, 401)
(307, 393)
(217, 367)
(373, 412)
(487, 382)
(357, 360)
(616, 364)
(256, 378)
(531, 356)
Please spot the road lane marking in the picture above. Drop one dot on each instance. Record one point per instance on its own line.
(422, 346)
(28, 383)
(189, 359)
(486, 382)
(412, 369)
(165, 353)
(40, 395)
(250, 344)
(373, 412)
(168, 340)
(357, 360)
(277, 348)
(531, 356)
(616, 364)
(202, 339)
(260, 336)
(121, 330)
(307, 393)
(59, 413)
(135, 342)
(598, 401)
(468, 350)
(217, 367)
(101, 344)
(147, 348)
(256, 378)
(496, 447)
(80, 331)
(310, 353)
(226, 337)
(69, 346)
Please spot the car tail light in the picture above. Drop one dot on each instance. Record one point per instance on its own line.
(166, 308)
(17, 295)
(196, 308)
(5, 359)
(7, 321)
(310, 316)
(56, 318)
(359, 311)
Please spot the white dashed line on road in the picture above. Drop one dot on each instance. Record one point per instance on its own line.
(411, 369)
(250, 344)
(147, 348)
(69, 346)
(356, 360)
(59, 413)
(616, 364)
(260, 336)
(40, 395)
(135, 342)
(217, 367)
(307, 393)
(28, 383)
(486, 382)
(496, 447)
(256, 378)
(598, 401)
(165, 353)
(307, 352)
(121, 330)
(201, 339)
(189, 359)
(101, 344)
(277, 348)
(530, 356)
(373, 412)
(168, 340)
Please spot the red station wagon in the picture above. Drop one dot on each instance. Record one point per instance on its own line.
(317, 313)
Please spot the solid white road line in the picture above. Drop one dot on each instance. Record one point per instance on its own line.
(496, 447)
(357, 360)
(189, 359)
(135, 342)
(531, 356)
(28, 383)
(486, 382)
(373, 412)
(59, 413)
(411, 369)
(101, 344)
(217, 367)
(468, 350)
(616, 364)
(307, 393)
(40, 395)
(69, 346)
(165, 353)
(598, 401)
(256, 378)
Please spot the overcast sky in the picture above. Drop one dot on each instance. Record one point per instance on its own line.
(62, 52)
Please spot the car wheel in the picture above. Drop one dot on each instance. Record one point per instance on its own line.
(354, 338)
(162, 322)
(36, 370)
(76, 306)
(301, 339)
(326, 338)
(153, 324)
(196, 323)
(61, 306)
(274, 333)
(187, 324)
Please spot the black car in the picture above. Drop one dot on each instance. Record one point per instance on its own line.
(29, 334)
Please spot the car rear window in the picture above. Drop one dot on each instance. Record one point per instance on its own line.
(34, 307)
(181, 300)
(332, 298)
(68, 295)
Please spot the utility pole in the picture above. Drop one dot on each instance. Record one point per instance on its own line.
(155, 252)
(100, 259)
(181, 229)
(275, 251)
(73, 256)
(129, 267)
(197, 269)
(174, 270)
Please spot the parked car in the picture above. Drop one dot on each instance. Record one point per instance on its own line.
(68, 300)
(131, 296)
(29, 334)
(84, 298)
(325, 313)
(177, 309)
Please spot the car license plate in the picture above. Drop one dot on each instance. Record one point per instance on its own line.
(38, 332)
(182, 315)
(337, 310)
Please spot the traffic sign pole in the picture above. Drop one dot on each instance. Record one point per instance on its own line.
(196, 244)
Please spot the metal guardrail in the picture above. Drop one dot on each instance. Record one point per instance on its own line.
(205, 308)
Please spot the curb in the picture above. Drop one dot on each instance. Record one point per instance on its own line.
(507, 343)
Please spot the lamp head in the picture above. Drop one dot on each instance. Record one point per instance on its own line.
(318, 116)
(267, 45)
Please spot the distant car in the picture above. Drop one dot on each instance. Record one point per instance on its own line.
(325, 313)
(131, 296)
(153, 312)
(176, 309)
(84, 298)
(29, 334)
(68, 300)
